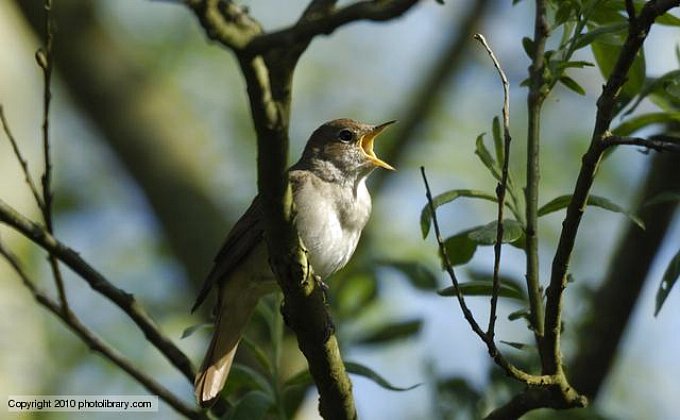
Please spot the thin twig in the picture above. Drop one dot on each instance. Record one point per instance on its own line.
(96, 343)
(20, 158)
(45, 61)
(660, 143)
(98, 282)
(501, 187)
(497, 356)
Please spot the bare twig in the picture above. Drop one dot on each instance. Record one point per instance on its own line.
(45, 60)
(660, 143)
(20, 158)
(96, 343)
(501, 187)
(98, 282)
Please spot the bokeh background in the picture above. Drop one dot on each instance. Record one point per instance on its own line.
(151, 174)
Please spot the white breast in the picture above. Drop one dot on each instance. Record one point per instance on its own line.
(330, 224)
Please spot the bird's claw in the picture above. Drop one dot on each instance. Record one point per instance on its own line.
(323, 286)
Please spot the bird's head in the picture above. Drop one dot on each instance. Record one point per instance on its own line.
(345, 145)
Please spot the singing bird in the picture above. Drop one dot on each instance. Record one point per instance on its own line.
(332, 206)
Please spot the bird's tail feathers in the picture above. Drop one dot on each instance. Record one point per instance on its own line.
(236, 308)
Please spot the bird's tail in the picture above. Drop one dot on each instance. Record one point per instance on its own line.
(237, 303)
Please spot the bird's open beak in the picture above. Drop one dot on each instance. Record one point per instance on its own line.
(367, 145)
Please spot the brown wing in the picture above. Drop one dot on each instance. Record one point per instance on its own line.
(242, 238)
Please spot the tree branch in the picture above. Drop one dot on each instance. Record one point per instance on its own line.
(121, 298)
(501, 187)
(613, 304)
(606, 104)
(325, 24)
(96, 343)
(537, 93)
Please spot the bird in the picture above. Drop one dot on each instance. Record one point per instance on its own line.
(331, 207)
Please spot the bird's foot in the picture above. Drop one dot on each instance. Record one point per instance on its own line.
(323, 286)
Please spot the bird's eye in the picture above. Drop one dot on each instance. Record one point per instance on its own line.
(345, 135)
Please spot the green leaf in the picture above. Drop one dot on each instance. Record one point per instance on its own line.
(606, 57)
(518, 346)
(418, 274)
(192, 329)
(563, 65)
(563, 201)
(392, 332)
(487, 276)
(460, 248)
(259, 354)
(302, 378)
(519, 314)
(486, 158)
(355, 293)
(368, 373)
(572, 84)
(486, 235)
(618, 29)
(669, 279)
(668, 19)
(658, 86)
(253, 406)
(664, 197)
(529, 46)
(483, 288)
(243, 377)
(631, 125)
(447, 197)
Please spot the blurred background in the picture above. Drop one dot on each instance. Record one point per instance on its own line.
(154, 159)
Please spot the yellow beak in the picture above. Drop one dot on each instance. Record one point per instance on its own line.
(366, 143)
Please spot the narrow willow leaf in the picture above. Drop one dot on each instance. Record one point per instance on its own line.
(519, 314)
(572, 84)
(483, 288)
(563, 201)
(417, 273)
(587, 38)
(259, 354)
(361, 370)
(664, 197)
(606, 56)
(658, 85)
(638, 122)
(192, 329)
(244, 377)
(253, 406)
(447, 197)
(302, 378)
(669, 279)
(355, 293)
(518, 346)
(486, 235)
(487, 276)
(529, 47)
(392, 332)
(485, 156)
(460, 248)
